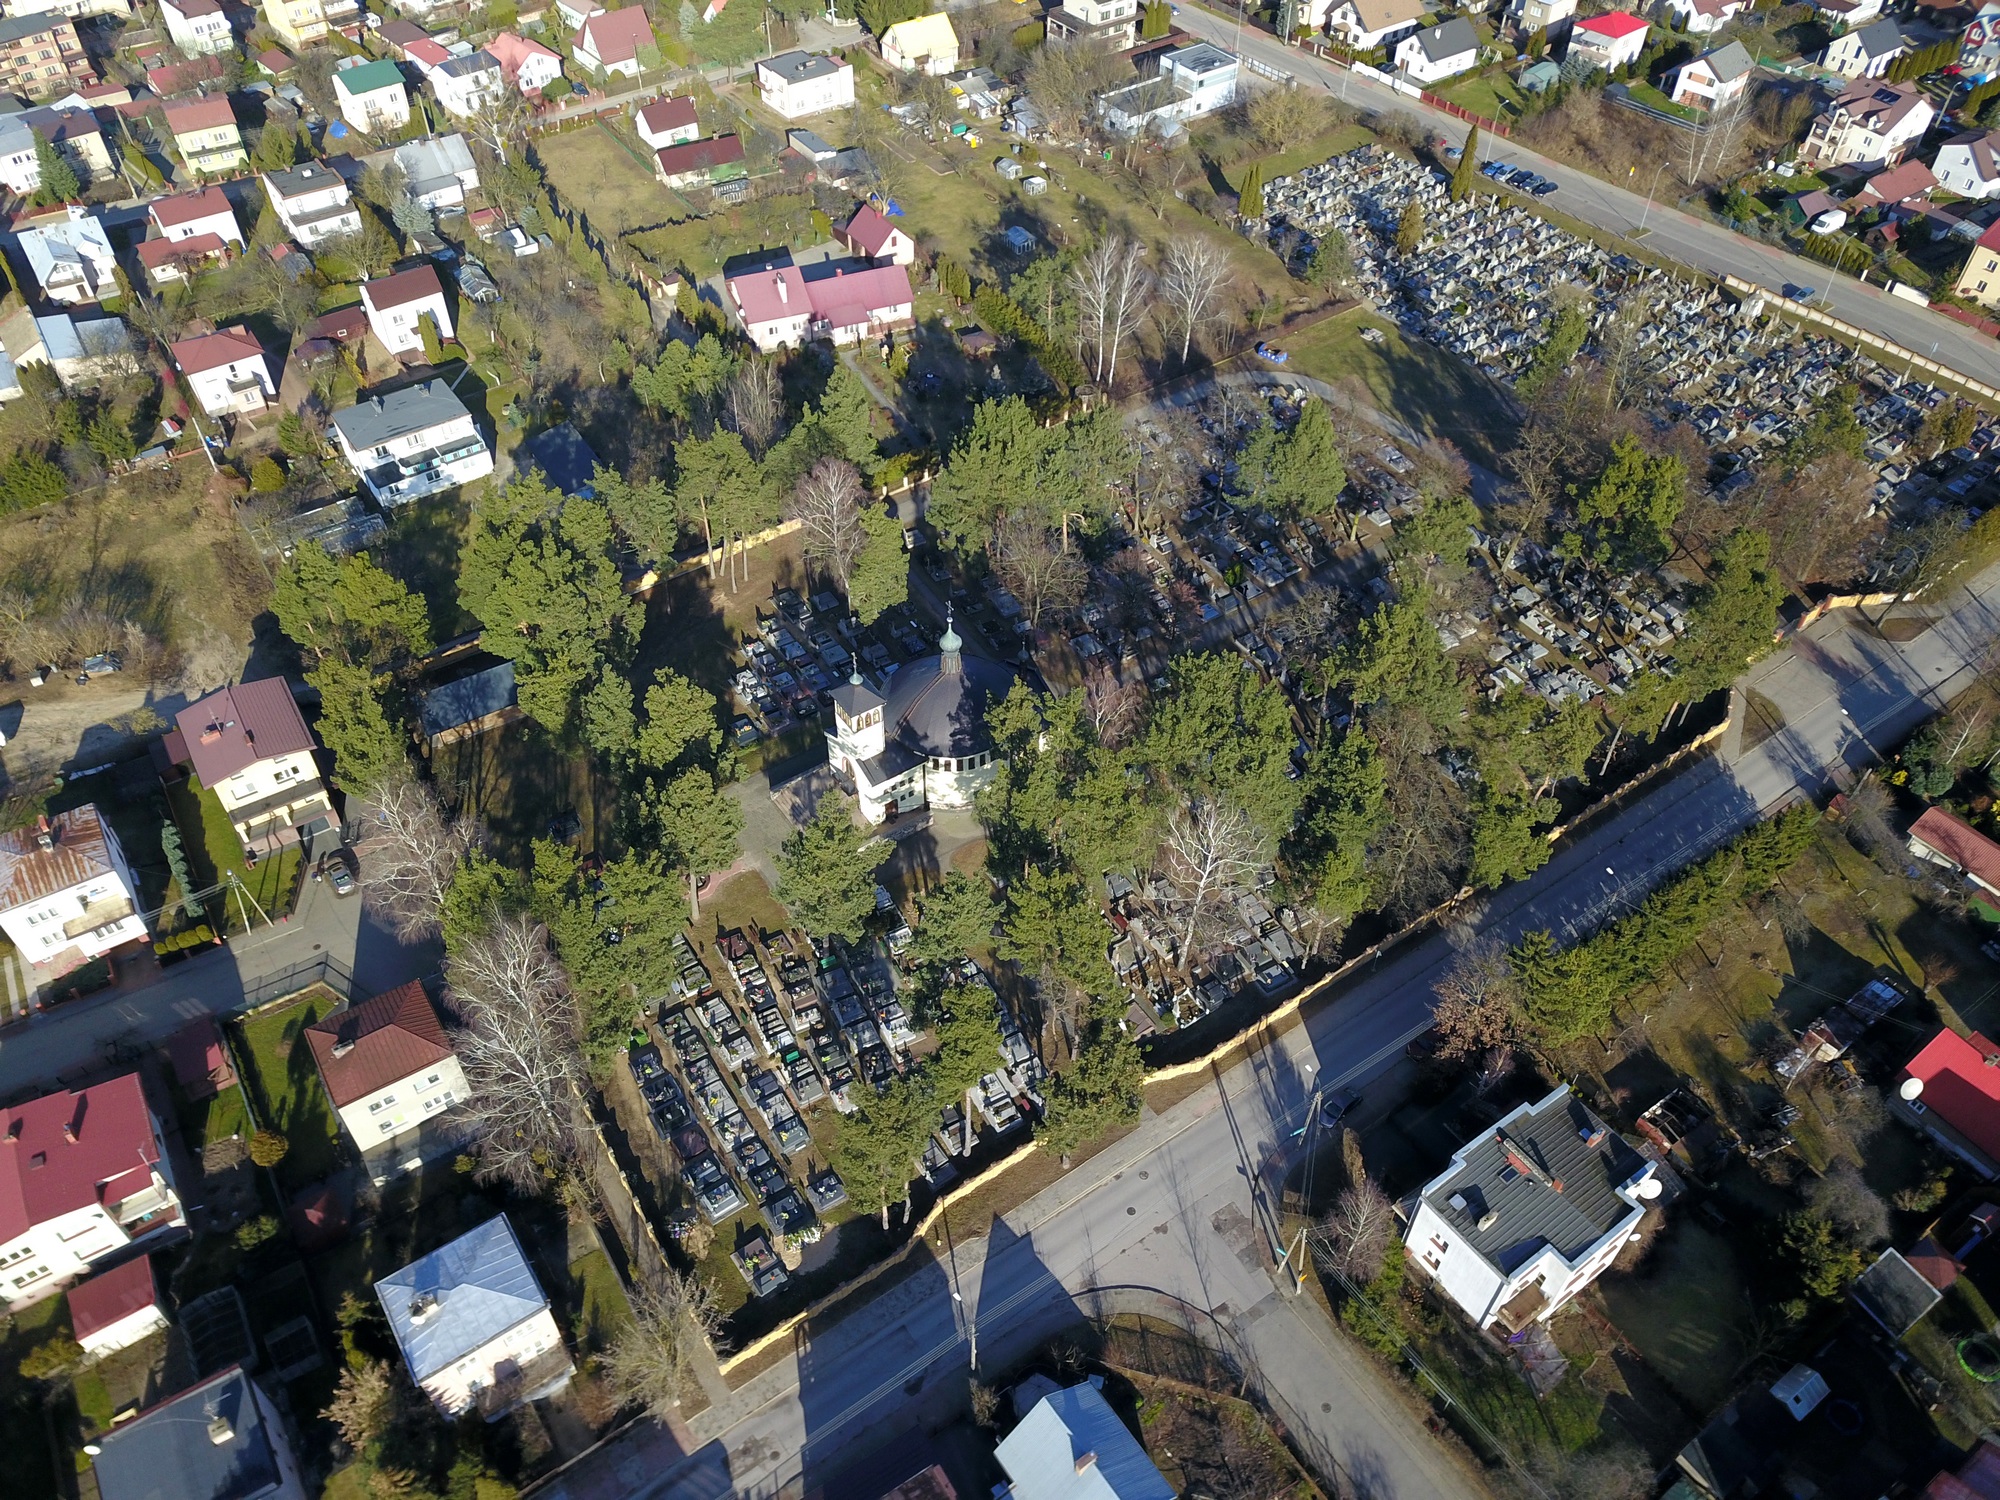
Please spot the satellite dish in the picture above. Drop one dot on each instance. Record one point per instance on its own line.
(1650, 1189)
(1911, 1088)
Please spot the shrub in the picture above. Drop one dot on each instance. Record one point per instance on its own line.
(254, 1232)
(266, 475)
(268, 1148)
(51, 1359)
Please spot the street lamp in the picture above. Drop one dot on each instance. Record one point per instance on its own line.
(1649, 198)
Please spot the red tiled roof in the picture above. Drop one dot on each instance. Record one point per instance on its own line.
(211, 351)
(869, 230)
(427, 52)
(510, 51)
(238, 726)
(192, 8)
(845, 299)
(200, 1061)
(66, 1151)
(342, 325)
(758, 298)
(617, 35)
(676, 113)
(1613, 24)
(78, 852)
(367, 1047)
(402, 288)
(1978, 1478)
(174, 78)
(156, 253)
(276, 61)
(96, 1304)
(185, 208)
(1955, 839)
(1961, 1079)
(699, 156)
(402, 33)
(1910, 179)
(199, 114)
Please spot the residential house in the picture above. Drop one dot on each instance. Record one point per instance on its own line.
(1073, 1446)
(67, 892)
(439, 170)
(1113, 24)
(869, 233)
(1547, 16)
(70, 256)
(249, 746)
(1715, 79)
(20, 161)
(197, 27)
(223, 1439)
(388, 1067)
(668, 122)
(82, 1175)
(474, 1326)
(276, 64)
(701, 163)
(411, 443)
(1869, 124)
(82, 351)
(1939, 837)
(298, 23)
(397, 304)
(573, 13)
(74, 9)
(372, 96)
(396, 36)
(926, 44)
(116, 1309)
(470, 706)
(196, 75)
(228, 371)
(1847, 13)
(205, 134)
(1439, 52)
(526, 65)
(1529, 1213)
(797, 84)
(1865, 53)
(1969, 164)
(616, 41)
(779, 308)
(1909, 182)
(1192, 81)
(426, 53)
(1610, 41)
(74, 131)
(1367, 24)
(188, 216)
(1703, 17)
(465, 85)
(165, 261)
(1951, 1092)
(40, 55)
(312, 202)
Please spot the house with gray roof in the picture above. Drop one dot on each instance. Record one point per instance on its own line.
(470, 706)
(1529, 1213)
(1716, 78)
(1438, 52)
(1865, 52)
(220, 1440)
(410, 443)
(1073, 1446)
(440, 170)
(474, 1326)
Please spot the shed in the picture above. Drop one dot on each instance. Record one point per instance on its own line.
(470, 706)
(115, 1309)
(565, 459)
(1894, 1293)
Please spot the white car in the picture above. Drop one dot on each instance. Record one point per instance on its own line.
(1829, 222)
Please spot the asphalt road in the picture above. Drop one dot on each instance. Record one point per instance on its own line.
(1182, 1205)
(1666, 231)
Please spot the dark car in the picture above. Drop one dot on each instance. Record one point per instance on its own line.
(1543, 188)
(1521, 178)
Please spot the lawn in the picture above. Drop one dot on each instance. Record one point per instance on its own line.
(592, 171)
(603, 1308)
(1684, 1311)
(1437, 394)
(215, 853)
(1492, 95)
(278, 1068)
(21, 1424)
(1652, 98)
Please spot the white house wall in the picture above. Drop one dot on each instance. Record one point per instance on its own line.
(404, 1104)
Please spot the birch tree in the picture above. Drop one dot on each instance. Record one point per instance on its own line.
(655, 1360)
(500, 122)
(1196, 271)
(413, 853)
(1211, 852)
(1112, 286)
(827, 506)
(519, 1049)
(1359, 1228)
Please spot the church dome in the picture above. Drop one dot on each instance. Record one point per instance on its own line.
(937, 705)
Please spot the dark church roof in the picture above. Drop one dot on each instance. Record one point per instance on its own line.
(938, 706)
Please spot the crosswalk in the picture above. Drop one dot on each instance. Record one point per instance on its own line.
(17, 989)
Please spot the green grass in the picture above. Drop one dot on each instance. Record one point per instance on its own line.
(215, 853)
(1336, 142)
(21, 1429)
(1437, 394)
(603, 1307)
(93, 1401)
(1492, 95)
(1646, 94)
(278, 1064)
(1684, 1311)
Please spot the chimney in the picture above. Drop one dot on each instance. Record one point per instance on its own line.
(1085, 1462)
(342, 1048)
(45, 835)
(784, 292)
(69, 1134)
(220, 1432)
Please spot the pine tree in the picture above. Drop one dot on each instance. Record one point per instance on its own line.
(58, 177)
(881, 578)
(1466, 173)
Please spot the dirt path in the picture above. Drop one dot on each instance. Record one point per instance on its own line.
(65, 727)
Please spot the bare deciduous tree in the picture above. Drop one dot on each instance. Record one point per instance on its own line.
(519, 1050)
(364, 1404)
(1475, 1010)
(753, 406)
(1197, 269)
(1712, 147)
(414, 850)
(1035, 568)
(1112, 286)
(656, 1357)
(1113, 706)
(827, 506)
(500, 122)
(1285, 115)
(1359, 1229)
(1211, 851)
